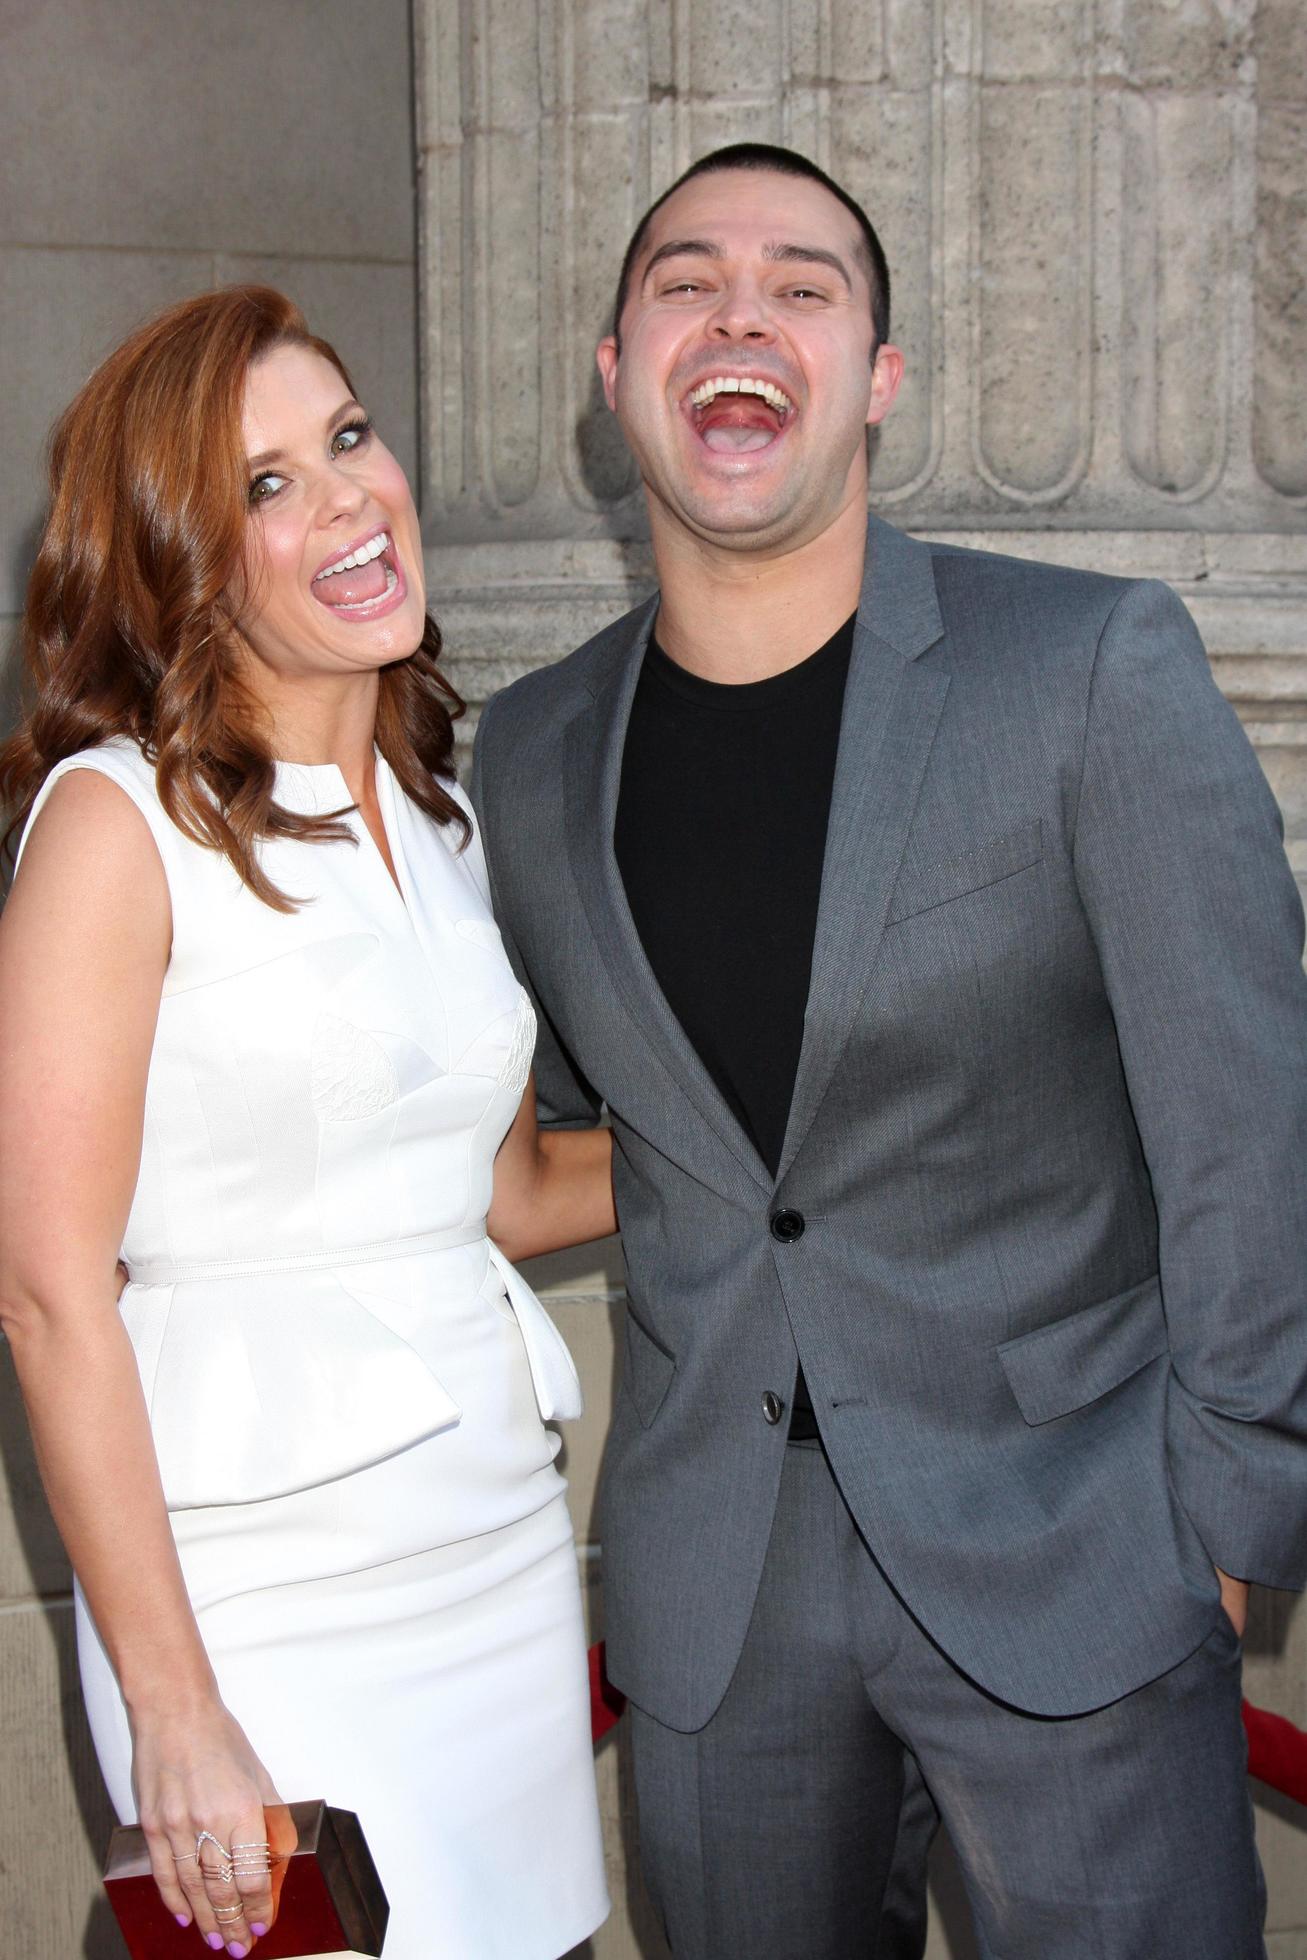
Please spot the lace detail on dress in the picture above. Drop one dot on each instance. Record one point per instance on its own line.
(517, 1062)
(352, 1076)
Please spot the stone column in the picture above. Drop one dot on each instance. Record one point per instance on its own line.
(1096, 216)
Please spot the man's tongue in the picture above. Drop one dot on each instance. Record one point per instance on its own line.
(733, 423)
(353, 588)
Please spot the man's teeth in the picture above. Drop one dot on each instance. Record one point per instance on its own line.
(362, 555)
(733, 384)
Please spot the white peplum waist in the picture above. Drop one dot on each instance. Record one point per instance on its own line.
(256, 1391)
(177, 1272)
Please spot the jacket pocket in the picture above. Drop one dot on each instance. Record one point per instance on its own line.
(921, 886)
(1072, 1361)
(649, 1370)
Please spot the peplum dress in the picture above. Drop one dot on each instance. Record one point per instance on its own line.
(349, 1387)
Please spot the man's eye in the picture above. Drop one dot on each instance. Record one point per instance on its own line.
(265, 487)
(805, 292)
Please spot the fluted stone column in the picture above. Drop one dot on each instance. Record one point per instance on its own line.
(1095, 212)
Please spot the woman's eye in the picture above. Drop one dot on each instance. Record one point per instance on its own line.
(350, 437)
(265, 487)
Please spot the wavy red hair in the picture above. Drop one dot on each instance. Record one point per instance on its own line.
(128, 627)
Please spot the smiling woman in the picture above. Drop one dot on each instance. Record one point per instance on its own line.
(261, 1044)
(175, 541)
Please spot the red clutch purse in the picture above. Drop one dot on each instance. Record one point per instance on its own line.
(330, 1902)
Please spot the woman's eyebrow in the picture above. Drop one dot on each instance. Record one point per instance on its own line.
(266, 456)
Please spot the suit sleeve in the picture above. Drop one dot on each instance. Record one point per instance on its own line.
(564, 1099)
(1199, 929)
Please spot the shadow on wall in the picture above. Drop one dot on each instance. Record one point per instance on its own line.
(37, 1549)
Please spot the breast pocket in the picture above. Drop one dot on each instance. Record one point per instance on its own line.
(924, 884)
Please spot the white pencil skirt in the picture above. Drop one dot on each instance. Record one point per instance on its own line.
(441, 1691)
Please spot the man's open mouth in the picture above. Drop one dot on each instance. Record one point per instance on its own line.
(734, 413)
(362, 576)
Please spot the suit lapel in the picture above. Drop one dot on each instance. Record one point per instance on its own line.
(593, 775)
(892, 703)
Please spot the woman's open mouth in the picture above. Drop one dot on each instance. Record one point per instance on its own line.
(365, 581)
(733, 414)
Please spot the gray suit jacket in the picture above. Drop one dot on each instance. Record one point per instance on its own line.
(1048, 1141)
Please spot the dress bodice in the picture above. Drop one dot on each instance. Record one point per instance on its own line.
(327, 1088)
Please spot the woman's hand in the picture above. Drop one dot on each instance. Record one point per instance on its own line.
(196, 1772)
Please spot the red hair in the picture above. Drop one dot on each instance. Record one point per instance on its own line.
(129, 626)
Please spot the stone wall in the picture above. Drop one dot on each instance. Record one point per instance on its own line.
(1096, 215)
(152, 149)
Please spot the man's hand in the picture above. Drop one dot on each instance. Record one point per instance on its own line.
(1234, 1598)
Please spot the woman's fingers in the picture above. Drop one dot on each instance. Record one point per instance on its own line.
(251, 1856)
(168, 1876)
(179, 1865)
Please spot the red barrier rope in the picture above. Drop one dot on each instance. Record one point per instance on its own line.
(1277, 1751)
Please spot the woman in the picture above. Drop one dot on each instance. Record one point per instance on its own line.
(259, 1039)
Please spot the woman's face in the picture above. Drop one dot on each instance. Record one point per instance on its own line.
(333, 559)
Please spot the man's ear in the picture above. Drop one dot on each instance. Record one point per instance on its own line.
(606, 357)
(886, 374)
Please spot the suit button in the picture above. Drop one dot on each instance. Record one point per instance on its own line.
(787, 1226)
(772, 1406)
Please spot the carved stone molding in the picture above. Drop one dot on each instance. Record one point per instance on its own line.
(1095, 211)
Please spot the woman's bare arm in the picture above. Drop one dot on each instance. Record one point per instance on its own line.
(84, 944)
(552, 1187)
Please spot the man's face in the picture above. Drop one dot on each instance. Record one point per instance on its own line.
(755, 278)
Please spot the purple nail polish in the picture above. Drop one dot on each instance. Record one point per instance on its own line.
(215, 1941)
(236, 1952)
(182, 1918)
(257, 1930)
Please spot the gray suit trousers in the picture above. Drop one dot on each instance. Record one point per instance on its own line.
(770, 1834)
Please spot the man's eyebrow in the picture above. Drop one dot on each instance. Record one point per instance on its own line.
(267, 456)
(676, 248)
(807, 255)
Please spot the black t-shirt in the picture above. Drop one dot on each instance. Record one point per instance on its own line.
(721, 830)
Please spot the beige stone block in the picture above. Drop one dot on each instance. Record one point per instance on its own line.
(1280, 298)
(244, 128)
(911, 32)
(1178, 153)
(593, 1332)
(882, 148)
(368, 313)
(506, 293)
(1033, 40)
(1282, 1846)
(737, 48)
(589, 237)
(713, 123)
(1281, 51)
(608, 55)
(56, 1816)
(1032, 263)
(1189, 43)
(60, 313)
(32, 1559)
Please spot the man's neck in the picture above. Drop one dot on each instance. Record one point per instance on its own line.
(737, 616)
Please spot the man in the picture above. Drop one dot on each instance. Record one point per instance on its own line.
(921, 917)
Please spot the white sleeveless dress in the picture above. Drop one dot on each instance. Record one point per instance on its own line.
(348, 1384)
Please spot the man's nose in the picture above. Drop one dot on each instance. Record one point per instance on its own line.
(741, 314)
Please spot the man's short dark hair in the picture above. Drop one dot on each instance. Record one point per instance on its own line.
(768, 156)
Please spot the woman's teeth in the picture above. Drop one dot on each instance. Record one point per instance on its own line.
(362, 555)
